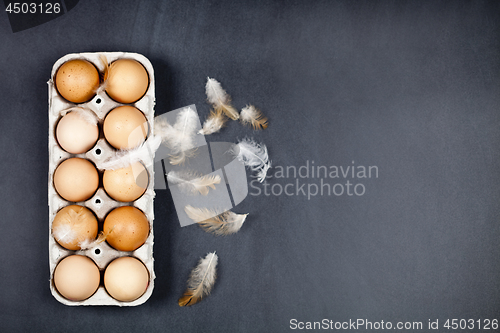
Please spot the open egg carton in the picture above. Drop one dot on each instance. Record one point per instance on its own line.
(100, 203)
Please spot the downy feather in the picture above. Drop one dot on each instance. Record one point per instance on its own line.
(215, 121)
(253, 155)
(87, 244)
(104, 74)
(201, 280)
(123, 158)
(73, 227)
(190, 182)
(64, 232)
(219, 98)
(179, 138)
(252, 116)
(163, 129)
(74, 230)
(222, 224)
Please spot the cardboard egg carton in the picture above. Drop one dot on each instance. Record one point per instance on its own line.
(100, 203)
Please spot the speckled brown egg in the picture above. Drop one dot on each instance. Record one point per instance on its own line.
(126, 184)
(77, 80)
(127, 81)
(126, 227)
(125, 127)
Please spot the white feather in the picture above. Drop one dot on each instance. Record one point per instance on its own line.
(192, 183)
(105, 71)
(186, 123)
(163, 129)
(73, 228)
(219, 224)
(123, 158)
(215, 94)
(215, 121)
(88, 244)
(219, 98)
(84, 114)
(253, 155)
(180, 137)
(201, 280)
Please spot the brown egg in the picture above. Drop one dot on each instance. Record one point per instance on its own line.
(126, 279)
(127, 81)
(76, 277)
(125, 127)
(75, 134)
(77, 80)
(76, 179)
(126, 184)
(74, 225)
(127, 228)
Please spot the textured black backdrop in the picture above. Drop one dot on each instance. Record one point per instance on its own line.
(409, 86)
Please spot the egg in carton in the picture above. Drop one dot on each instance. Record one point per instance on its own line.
(100, 203)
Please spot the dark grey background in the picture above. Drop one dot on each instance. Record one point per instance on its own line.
(409, 86)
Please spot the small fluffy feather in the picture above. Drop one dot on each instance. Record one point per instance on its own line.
(219, 224)
(123, 158)
(252, 116)
(201, 280)
(64, 232)
(105, 64)
(190, 182)
(215, 121)
(185, 124)
(179, 138)
(71, 230)
(161, 125)
(253, 155)
(164, 129)
(219, 98)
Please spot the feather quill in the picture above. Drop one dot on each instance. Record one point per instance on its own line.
(192, 183)
(219, 224)
(123, 158)
(201, 280)
(252, 116)
(179, 137)
(215, 121)
(219, 98)
(253, 155)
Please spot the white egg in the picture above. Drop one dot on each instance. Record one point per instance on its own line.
(126, 279)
